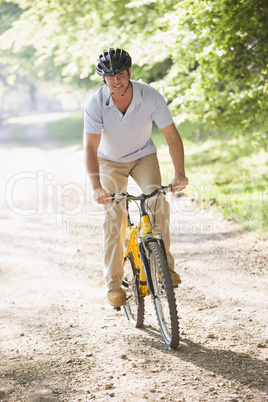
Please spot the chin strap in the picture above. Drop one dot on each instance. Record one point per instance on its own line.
(126, 88)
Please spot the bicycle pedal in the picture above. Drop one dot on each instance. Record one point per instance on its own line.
(175, 286)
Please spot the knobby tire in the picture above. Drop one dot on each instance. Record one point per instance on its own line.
(164, 299)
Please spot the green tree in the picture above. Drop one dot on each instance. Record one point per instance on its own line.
(220, 58)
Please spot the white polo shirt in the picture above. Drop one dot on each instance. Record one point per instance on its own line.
(125, 138)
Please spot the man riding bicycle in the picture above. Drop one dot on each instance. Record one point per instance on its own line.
(117, 141)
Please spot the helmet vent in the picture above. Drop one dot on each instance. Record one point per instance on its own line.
(112, 61)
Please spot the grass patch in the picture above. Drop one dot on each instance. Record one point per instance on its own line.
(20, 139)
(69, 131)
(227, 170)
(230, 172)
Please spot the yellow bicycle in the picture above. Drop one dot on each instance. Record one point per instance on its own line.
(146, 271)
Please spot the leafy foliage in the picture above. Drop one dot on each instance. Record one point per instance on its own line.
(223, 76)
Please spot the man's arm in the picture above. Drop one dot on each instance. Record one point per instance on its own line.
(177, 155)
(91, 144)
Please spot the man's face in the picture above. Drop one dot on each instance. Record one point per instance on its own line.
(119, 82)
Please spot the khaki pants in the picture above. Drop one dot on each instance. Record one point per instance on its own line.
(114, 179)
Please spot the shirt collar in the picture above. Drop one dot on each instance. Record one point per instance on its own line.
(137, 98)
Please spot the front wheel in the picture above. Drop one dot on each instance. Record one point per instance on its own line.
(164, 298)
(134, 307)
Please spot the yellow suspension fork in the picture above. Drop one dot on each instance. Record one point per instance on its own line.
(143, 247)
(146, 230)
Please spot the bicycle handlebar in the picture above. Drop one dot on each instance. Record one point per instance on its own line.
(125, 196)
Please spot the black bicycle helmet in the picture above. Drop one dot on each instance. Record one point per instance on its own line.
(112, 61)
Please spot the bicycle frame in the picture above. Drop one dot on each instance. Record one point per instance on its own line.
(138, 246)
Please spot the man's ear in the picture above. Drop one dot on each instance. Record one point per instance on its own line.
(129, 73)
(104, 80)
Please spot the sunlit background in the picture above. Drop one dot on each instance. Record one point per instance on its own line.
(60, 340)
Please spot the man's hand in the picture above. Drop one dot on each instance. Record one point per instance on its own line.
(100, 196)
(179, 180)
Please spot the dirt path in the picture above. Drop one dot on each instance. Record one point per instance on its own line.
(61, 341)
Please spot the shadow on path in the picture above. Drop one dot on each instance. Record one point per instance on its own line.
(232, 366)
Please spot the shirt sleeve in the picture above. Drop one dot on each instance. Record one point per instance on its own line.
(161, 114)
(93, 119)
